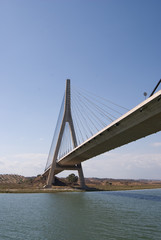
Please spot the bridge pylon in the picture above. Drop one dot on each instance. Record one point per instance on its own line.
(67, 118)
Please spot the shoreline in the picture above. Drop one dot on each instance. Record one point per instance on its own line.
(89, 189)
(19, 184)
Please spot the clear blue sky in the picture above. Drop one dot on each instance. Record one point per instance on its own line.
(110, 47)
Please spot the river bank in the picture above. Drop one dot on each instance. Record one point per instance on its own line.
(21, 184)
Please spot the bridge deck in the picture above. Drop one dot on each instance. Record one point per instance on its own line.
(141, 121)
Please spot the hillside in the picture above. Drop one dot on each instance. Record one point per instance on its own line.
(17, 181)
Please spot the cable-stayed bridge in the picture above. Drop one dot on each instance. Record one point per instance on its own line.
(89, 125)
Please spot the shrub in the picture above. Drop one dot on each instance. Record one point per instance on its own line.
(72, 178)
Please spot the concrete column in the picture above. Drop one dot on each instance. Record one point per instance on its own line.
(81, 177)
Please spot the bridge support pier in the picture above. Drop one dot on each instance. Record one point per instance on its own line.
(81, 177)
(51, 178)
(51, 175)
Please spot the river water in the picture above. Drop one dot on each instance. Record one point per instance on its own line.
(81, 216)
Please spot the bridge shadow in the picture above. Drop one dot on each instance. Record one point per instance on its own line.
(75, 186)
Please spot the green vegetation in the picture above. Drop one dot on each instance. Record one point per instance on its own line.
(72, 178)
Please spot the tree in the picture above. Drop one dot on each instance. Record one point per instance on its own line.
(72, 178)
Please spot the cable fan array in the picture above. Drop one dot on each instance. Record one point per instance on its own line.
(90, 114)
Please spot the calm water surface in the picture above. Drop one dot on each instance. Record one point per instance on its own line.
(81, 216)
